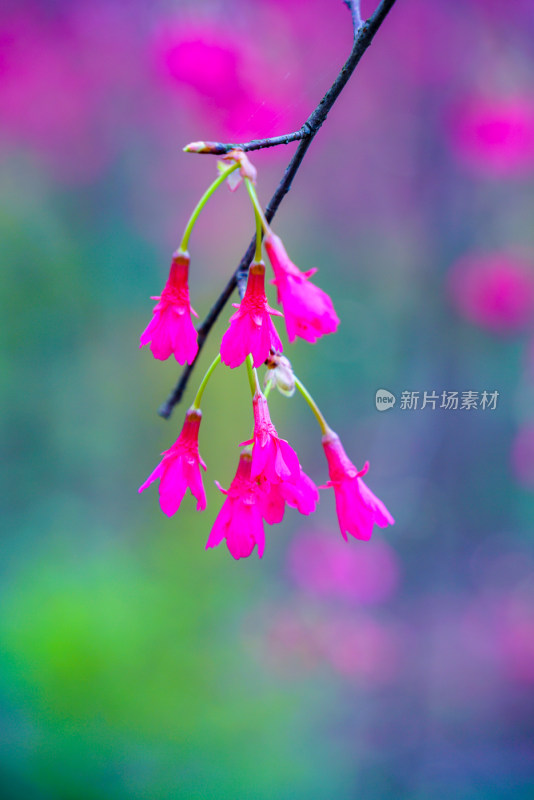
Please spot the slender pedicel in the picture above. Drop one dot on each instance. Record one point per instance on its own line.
(267, 388)
(257, 206)
(202, 202)
(252, 376)
(215, 363)
(314, 407)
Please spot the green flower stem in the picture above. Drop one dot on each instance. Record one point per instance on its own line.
(257, 208)
(252, 376)
(259, 236)
(202, 202)
(268, 388)
(313, 405)
(216, 361)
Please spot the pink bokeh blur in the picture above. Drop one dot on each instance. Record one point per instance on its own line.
(494, 290)
(65, 85)
(494, 135)
(358, 646)
(325, 565)
(226, 81)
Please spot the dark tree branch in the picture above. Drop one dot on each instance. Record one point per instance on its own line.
(219, 149)
(363, 36)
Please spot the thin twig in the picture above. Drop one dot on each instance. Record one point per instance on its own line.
(363, 37)
(354, 8)
(219, 149)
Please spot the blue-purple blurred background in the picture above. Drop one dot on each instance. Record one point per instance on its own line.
(133, 663)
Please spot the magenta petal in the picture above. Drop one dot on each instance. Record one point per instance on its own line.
(152, 477)
(261, 343)
(240, 520)
(172, 487)
(260, 456)
(303, 495)
(273, 504)
(220, 526)
(382, 516)
(161, 345)
(196, 487)
(343, 513)
(291, 460)
(147, 333)
(184, 339)
(235, 344)
(242, 530)
(260, 539)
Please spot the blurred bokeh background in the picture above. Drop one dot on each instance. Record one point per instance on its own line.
(133, 663)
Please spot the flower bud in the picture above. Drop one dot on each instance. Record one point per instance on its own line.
(280, 374)
(233, 180)
(197, 147)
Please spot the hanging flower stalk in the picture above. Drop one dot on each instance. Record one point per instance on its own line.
(269, 475)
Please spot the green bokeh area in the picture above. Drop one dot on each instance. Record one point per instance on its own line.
(126, 671)
(133, 662)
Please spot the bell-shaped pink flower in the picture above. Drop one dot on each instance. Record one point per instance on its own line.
(171, 330)
(251, 328)
(302, 495)
(308, 311)
(357, 507)
(240, 519)
(273, 459)
(180, 468)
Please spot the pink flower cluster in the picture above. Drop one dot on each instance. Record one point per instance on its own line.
(269, 475)
(309, 312)
(267, 479)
